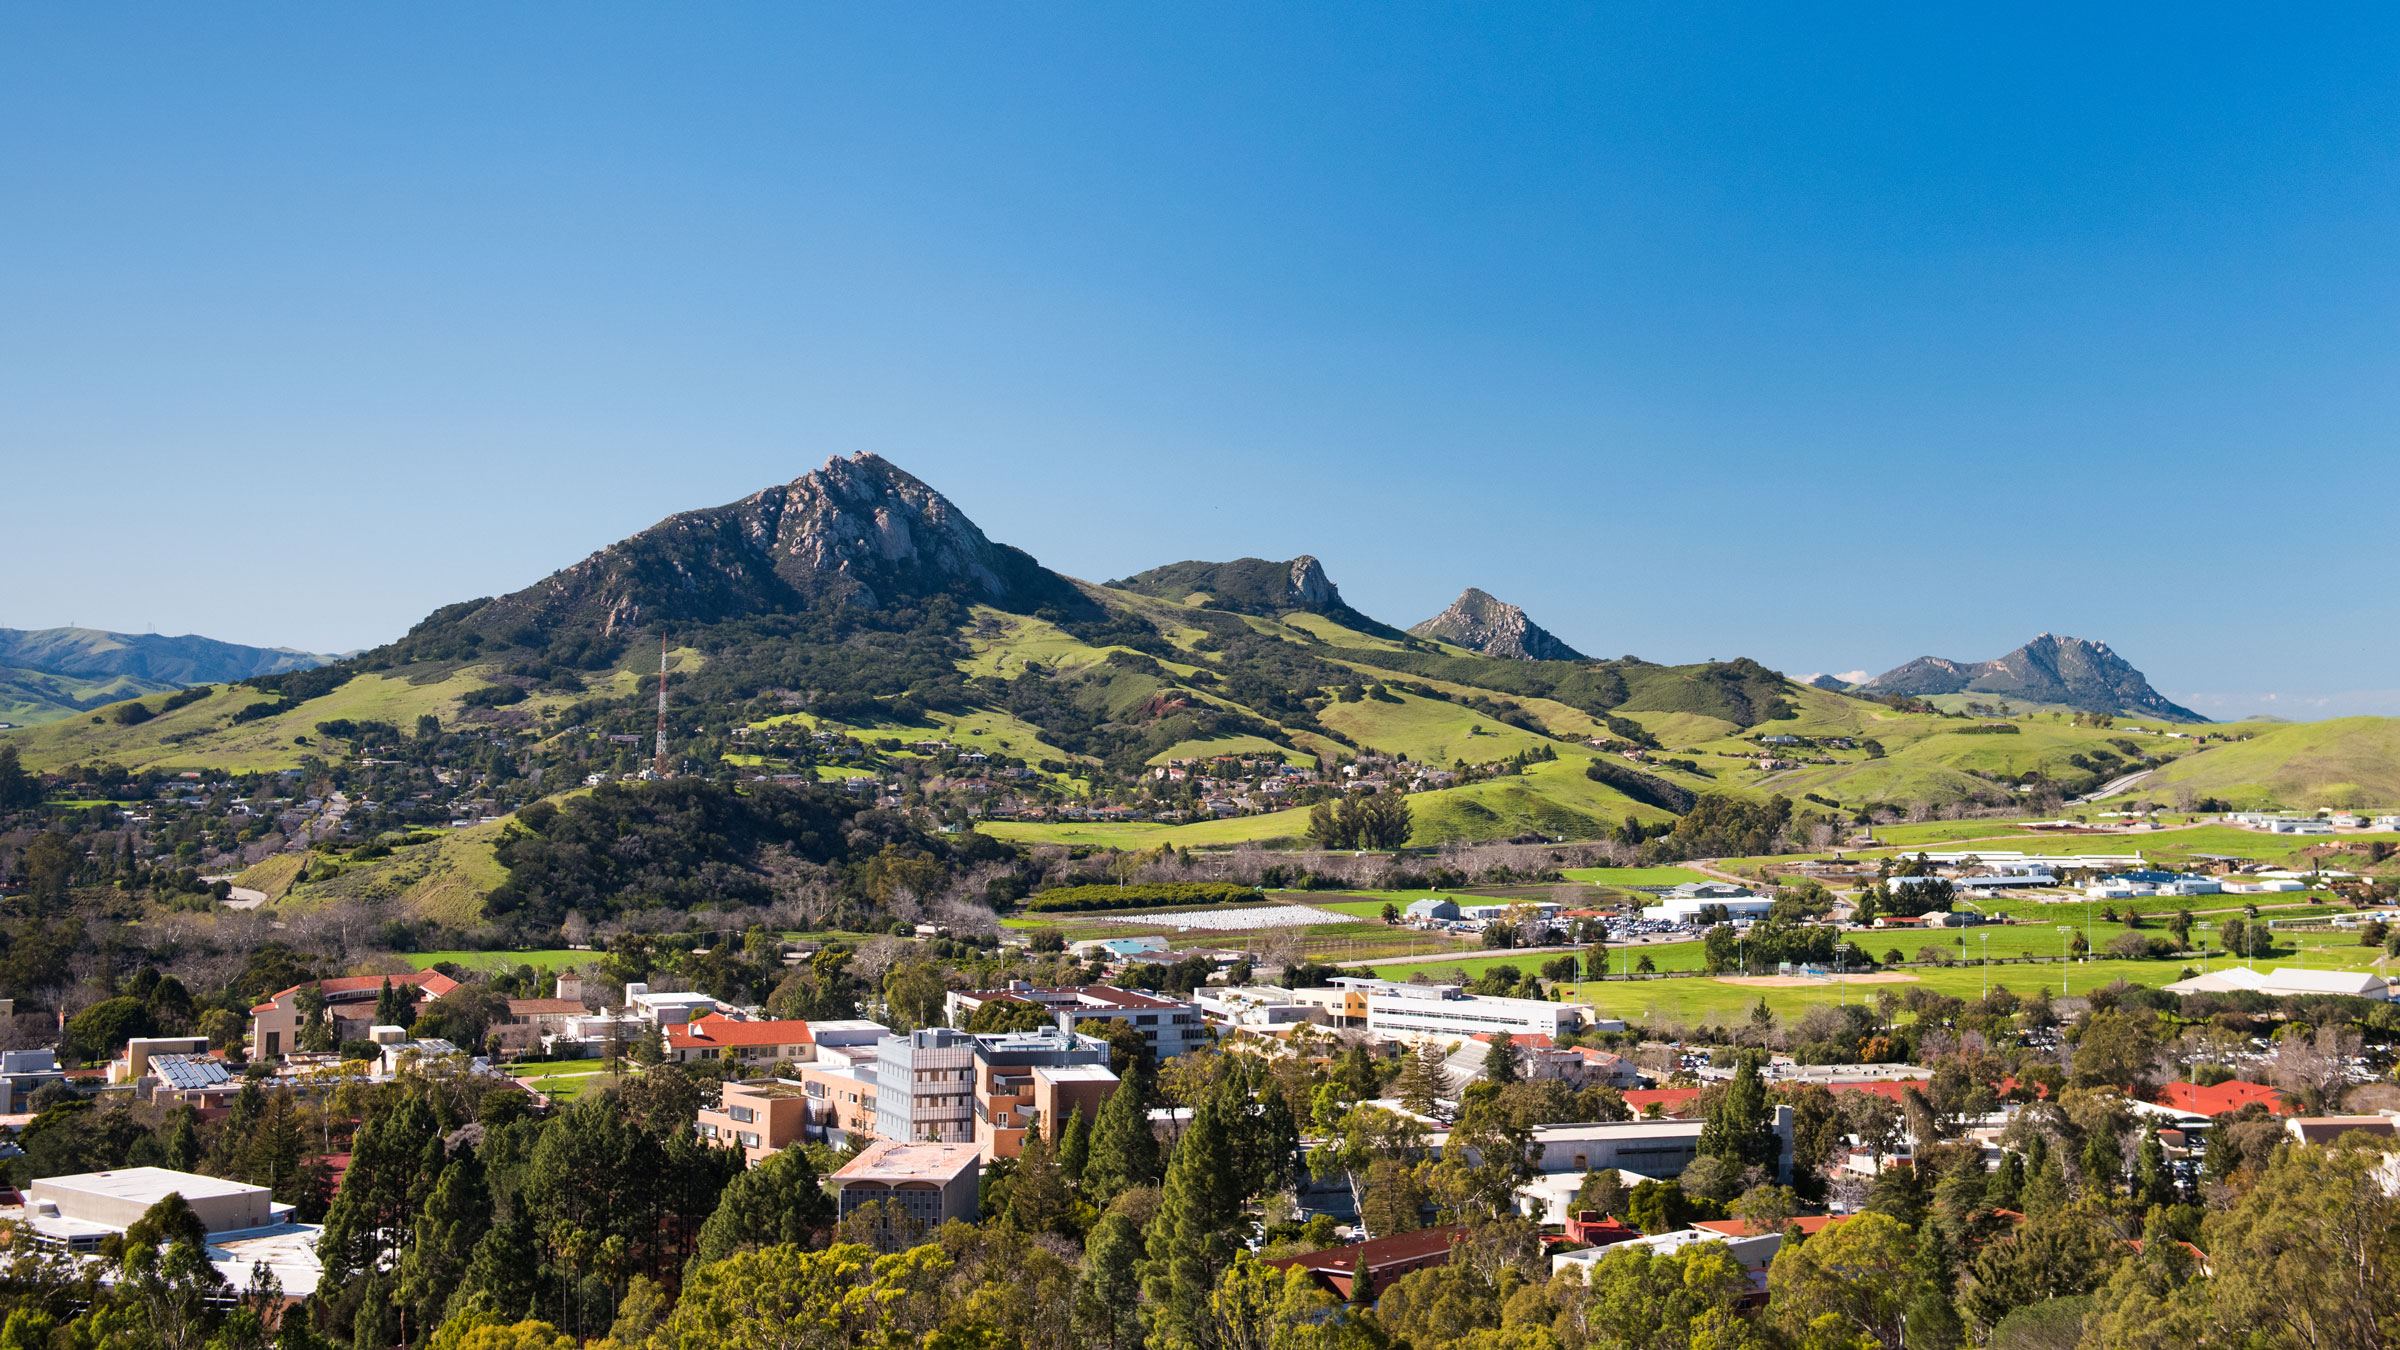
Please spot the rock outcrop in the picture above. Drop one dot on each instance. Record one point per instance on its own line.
(1483, 623)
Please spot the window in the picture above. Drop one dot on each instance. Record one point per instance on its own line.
(742, 1113)
(748, 1139)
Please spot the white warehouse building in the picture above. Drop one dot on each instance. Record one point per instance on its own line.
(1685, 903)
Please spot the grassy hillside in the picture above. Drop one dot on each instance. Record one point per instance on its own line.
(2348, 762)
(444, 881)
(204, 735)
(30, 697)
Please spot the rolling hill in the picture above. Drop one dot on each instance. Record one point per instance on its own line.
(858, 601)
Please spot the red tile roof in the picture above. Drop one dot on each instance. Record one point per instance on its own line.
(724, 1031)
(1809, 1225)
(2217, 1100)
(1379, 1253)
(432, 983)
(1668, 1100)
(1526, 1040)
(536, 1007)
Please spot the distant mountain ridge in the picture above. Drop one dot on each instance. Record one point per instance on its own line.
(49, 673)
(187, 660)
(2072, 672)
(1489, 626)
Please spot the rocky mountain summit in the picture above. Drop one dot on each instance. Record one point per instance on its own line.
(857, 532)
(2067, 671)
(1483, 623)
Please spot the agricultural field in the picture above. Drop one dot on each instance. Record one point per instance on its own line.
(1235, 920)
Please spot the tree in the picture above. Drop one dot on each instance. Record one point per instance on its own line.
(1111, 1286)
(785, 1298)
(1500, 1062)
(1075, 1145)
(1602, 1192)
(164, 1268)
(456, 1217)
(780, 1202)
(19, 790)
(1741, 1128)
(1124, 1153)
(2309, 1257)
(392, 1007)
(1190, 1242)
(1391, 912)
(1424, 1080)
(1861, 1272)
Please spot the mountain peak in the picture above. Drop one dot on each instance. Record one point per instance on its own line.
(1481, 622)
(858, 532)
(2053, 668)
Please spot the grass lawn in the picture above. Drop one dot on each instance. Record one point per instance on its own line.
(1105, 834)
(1635, 876)
(554, 958)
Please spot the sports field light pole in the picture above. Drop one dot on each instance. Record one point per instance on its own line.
(1986, 939)
(2066, 933)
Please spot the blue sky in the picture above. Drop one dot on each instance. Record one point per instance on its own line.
(1830, 336)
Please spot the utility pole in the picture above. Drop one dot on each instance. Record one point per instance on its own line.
(2066, 931)
(660, 766)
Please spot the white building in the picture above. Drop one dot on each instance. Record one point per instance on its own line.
(1168, 1026)
(2285, 982)
(243, 1223)
(1447, 1012)
(925, 1087)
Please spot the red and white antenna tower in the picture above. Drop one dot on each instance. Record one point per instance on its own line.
(660, 766)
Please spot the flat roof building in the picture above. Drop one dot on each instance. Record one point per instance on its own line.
(925, 1186)
(1168, 1026)
(1447, 1012)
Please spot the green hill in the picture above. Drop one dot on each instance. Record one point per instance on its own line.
(2347, 762)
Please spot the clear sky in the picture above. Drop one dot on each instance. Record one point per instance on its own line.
(1829, 335)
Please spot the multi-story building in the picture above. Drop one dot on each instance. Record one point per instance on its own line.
(842, 1102)
(349, 1001)
(925, 1087)
(760, 1115)
(1023, 1079)
(1169, 1026)
(1416, 1012)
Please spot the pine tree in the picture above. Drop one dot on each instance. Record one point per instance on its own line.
(1424, 1080)
(391, 1006)
(183, 1141)
(1191, 1242)
(2006, 1183)
(1500, 1062)
(1075, 1145)
(1111, 1283)
(502, 1276)
(2046, 1192)
(456, 1216)
(2103, 1165)
(1362, 1283)
(1741, 1128)
(1356, 1074)
(1124, 1154)
(1037, 1193)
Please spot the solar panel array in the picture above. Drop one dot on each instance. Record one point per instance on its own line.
(189, 1071)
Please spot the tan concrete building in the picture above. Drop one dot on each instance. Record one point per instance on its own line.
(925, 1186)
(760, 1115)
(77, 1211)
